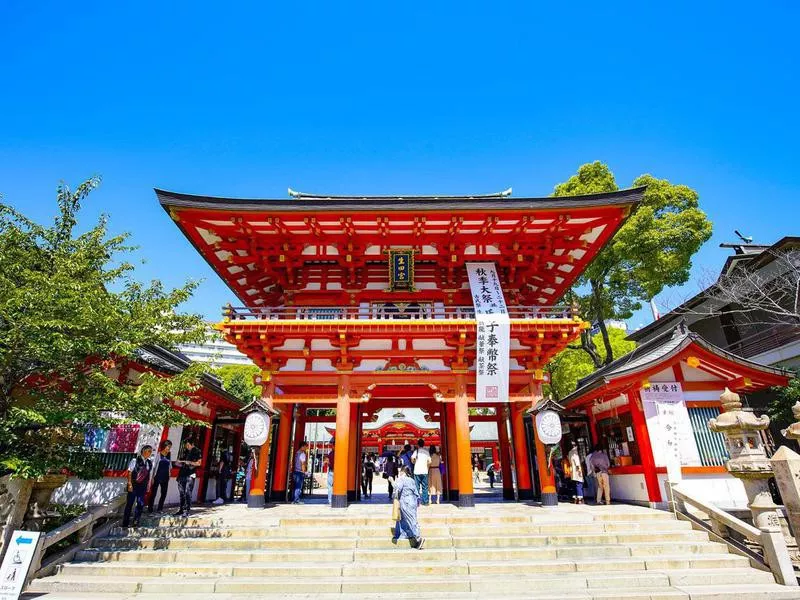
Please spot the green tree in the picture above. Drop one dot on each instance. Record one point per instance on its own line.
(651, 251)
(71, 319)
(572, 364)
(238, 380)
(783, 398)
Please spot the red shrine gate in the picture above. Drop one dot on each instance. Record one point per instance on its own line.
(331, 325)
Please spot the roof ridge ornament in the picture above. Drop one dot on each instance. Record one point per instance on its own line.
(299, 195)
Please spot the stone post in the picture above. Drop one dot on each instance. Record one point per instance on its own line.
(786, 465)
(749, 463)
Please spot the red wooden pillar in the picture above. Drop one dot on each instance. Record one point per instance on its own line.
(258, 484)
(354, 460)
(466, 495)
(521, 458)
(593, 425)
(547, 475)
(282, 454)
(341, 452)
(505, 453)
(204, 466)
(645, 447)
(451, 465)
(300, 427)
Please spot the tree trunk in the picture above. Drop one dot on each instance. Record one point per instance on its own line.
(588, 346)
(550, 368)
(597, 301)
(606, 342)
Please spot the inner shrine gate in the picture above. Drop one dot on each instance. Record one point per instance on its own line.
(354, 302)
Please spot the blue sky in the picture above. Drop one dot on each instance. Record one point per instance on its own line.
(250, 98)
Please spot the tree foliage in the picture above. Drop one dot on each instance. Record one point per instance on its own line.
(238, 380)
(651, 251)
(71, 320)
(782, 401)
(574, 363)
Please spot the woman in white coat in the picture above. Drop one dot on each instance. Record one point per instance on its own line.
(576, 473)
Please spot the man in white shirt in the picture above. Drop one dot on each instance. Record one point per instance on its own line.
(422, 461)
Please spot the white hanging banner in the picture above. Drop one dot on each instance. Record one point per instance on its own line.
(494, 333)
(669, 427)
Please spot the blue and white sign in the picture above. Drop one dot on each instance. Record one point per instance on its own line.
(17, 563)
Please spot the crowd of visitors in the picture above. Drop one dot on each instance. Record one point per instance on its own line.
(414, 476)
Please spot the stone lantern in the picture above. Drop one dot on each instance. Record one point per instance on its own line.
(793, 431)
(748, 459)
(786, 465)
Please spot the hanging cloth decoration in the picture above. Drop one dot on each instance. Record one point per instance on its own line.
(493, 333)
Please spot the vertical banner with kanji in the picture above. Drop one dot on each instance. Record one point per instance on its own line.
(493, 333)
(669, 427)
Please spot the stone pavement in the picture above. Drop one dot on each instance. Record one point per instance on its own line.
(495, 550)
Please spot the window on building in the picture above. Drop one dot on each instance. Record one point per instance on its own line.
(710, 445)
(617, 438)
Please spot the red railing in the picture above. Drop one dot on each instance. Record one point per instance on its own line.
(767, 339)
(386, 312)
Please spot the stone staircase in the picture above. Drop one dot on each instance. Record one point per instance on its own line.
(492, 551)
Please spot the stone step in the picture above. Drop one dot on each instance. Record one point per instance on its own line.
(385, 529)
(717, 592)
(488, 584)
(584, 552)
(402, 552)
(326, 518)
(352, 541)
(214, 556)
(653, 549)
(334, 569)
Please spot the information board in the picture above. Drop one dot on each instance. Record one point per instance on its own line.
(17, 563)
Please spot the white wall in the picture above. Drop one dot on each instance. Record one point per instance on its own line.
(629, 488)
(100, 491)
(724, 491)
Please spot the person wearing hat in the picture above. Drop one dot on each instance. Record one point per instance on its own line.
(329, 461)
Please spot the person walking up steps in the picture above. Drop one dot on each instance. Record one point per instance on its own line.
(422, 463)
(435, 476)
(405, 491)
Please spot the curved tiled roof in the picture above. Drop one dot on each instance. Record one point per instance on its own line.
(659, 349)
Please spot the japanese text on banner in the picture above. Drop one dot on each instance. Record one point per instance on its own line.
(493, 333)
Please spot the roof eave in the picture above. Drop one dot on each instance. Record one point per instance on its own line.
(175, 200)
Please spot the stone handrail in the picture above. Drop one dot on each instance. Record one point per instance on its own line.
(84, 524)
(775, 554)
